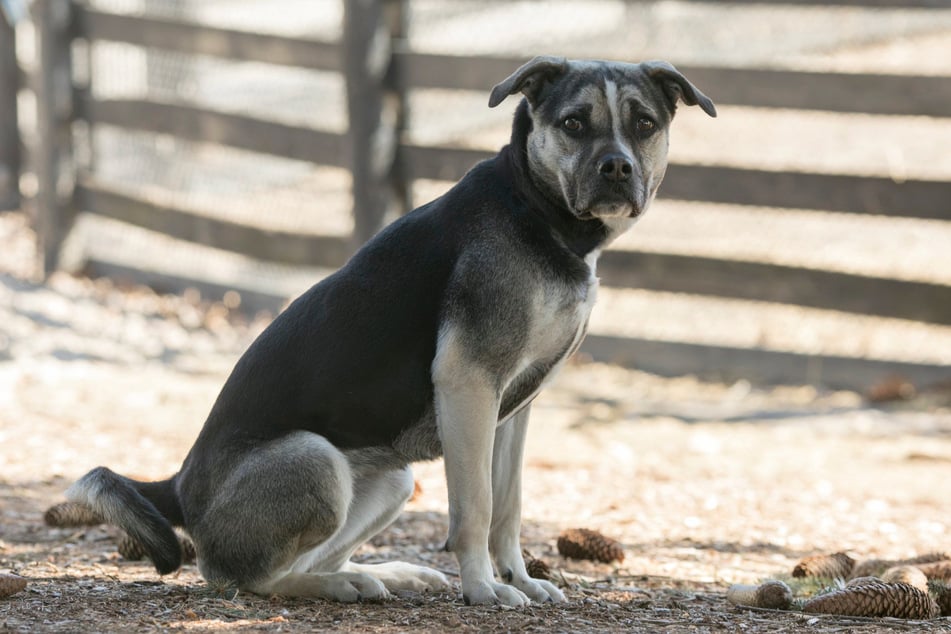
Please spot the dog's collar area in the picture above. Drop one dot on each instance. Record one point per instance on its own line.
(579, 235)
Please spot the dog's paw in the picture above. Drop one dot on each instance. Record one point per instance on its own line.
(420, 579)
(349, 587)
(540, 590)
(398, 576)
(494, 593)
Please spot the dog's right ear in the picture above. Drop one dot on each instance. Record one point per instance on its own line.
(530, 79)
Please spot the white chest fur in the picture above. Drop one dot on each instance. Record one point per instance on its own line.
(516, 365)
(560, 315)
(559, 322)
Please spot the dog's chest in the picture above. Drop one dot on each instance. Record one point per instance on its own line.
(558, 323)
(558, 314)
(559, 318)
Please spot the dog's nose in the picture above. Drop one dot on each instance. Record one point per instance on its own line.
(615, 167)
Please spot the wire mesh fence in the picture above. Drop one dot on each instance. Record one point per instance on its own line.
(251, 188)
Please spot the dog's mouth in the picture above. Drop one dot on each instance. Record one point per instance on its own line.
(608, 202)
(610, 209)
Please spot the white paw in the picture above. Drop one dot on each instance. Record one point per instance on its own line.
(349, 587)
(398, 575)
(494, 593)
(420, 579)
(540, 590)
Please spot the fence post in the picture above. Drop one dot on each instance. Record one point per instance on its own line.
(397, 18)
(52, 84)
(9, 120)
(373, 112)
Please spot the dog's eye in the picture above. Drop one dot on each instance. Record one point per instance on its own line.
(644, 127)
(571, 124)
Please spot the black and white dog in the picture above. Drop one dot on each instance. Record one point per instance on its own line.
(431, 341)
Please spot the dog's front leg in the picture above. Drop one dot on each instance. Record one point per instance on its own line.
(504, 535)
(467, 418)
(467, 407)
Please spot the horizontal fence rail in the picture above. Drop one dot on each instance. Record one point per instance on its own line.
(738, 279)
(277, 246)
(797, 190)
(197, 39)
(877, 4)
(200, 124)
(674, 358)
(836, 92)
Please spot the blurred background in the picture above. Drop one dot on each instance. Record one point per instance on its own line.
(244, 148)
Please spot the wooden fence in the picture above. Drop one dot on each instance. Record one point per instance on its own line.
(10, 155)
(379, 71)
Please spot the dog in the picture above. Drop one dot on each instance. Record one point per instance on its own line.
(431, 341)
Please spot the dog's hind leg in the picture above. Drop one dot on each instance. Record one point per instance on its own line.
(275, 505)
(378, 499)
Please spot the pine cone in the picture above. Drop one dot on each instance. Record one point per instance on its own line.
(133, 550)
(583, 543)
(69, 514)
(942, 596)
(894, 388)
(772, 595)
(875, 567)
(872, 567)
(937, 569)
(188, 548)
(130, 548)
(537, 569)
(927, 558)
(909, 575)
(875, 599)
(834, 566)
(11, 584)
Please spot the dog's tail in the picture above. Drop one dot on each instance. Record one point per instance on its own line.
(144, 510)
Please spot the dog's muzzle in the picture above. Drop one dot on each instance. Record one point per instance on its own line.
(616, 196)
(610, 188)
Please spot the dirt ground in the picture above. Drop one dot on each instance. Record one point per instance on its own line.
(705, 485)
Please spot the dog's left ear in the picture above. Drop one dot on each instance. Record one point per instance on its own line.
(530, 79)
(676, 86)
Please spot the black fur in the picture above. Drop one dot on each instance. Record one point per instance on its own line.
(372, 325)
(130, 505)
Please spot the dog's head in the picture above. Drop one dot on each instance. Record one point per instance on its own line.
(599, 130)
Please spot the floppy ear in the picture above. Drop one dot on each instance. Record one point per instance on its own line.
(529, 79)
(676, 86)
